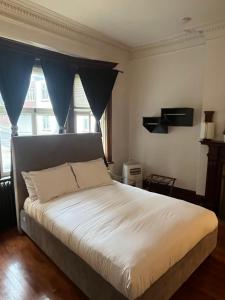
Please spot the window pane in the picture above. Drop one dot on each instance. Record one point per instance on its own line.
(46, 124)
(1, 101)
(93, 124)
(37, 96)
(25, 124)
(104, 132)
(80, 99)
(25, 128)
(5, 137)
(82, 123)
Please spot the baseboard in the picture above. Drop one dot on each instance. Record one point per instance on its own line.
(201, 200)
(183, 194)
(180, 193)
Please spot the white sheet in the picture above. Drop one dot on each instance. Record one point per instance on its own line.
(129, 236)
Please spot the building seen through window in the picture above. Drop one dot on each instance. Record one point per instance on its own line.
(37, 117)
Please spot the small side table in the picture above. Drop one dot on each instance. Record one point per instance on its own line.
(165, 182)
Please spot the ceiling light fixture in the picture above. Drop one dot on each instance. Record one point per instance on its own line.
(186, 20)
(193, 30)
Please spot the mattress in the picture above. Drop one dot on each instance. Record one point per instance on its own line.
(129, 236)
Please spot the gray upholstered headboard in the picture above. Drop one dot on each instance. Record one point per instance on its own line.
(32, 153)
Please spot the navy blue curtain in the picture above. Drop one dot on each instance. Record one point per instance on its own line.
(98, 85)
(15, 73)
(59, 78)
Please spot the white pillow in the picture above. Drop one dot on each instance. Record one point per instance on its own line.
(30, 187)
(92, 173)
(53, 182)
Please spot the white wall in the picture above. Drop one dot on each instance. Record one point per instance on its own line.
(94, 50)
(194, 77)
(168, 80)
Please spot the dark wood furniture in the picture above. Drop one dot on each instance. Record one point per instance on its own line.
(7, 203)
(154, 183)
(216, 161)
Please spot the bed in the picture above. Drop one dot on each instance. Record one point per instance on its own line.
(124, 243)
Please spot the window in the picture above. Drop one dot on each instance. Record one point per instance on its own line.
(44, 92)
(31, 95)
(84, 121)
(37, 117)
(83, 117)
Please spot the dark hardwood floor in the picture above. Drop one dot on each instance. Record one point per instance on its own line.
(27, 274)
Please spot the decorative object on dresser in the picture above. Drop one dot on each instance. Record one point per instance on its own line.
(215, 180)
(154, 183)
(169, 117)
(7, 203)
(208, 126)
(224, 135)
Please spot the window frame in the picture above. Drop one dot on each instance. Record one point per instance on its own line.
(33, 112)
(71, 120)
(70, 128)
(81, 111)
(108, 122)
(2, 174)
(71, 123)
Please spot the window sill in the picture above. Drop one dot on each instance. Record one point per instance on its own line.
(5, 178)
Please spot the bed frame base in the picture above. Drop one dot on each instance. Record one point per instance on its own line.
(93, 285)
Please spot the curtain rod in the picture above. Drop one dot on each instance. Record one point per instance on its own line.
(37, 60)
(41, 52)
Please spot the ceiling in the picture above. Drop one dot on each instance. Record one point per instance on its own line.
(138, 22)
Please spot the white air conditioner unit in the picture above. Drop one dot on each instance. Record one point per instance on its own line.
(132, 174)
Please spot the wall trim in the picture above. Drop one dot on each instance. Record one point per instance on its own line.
(215, 30)
(168, 45)
(178, 193)
(43, 18)
(198, 37)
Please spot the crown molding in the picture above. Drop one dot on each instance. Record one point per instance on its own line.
(168, 45)
(33, 14)
(214, 31)
(186, 40)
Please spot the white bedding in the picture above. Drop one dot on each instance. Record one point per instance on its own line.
(129, 236)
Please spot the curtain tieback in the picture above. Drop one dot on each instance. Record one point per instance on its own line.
(14, 130)
(62, 129)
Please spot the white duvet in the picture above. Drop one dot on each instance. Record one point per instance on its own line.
(129, 236)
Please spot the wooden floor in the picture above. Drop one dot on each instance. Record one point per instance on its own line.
(27, 274)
